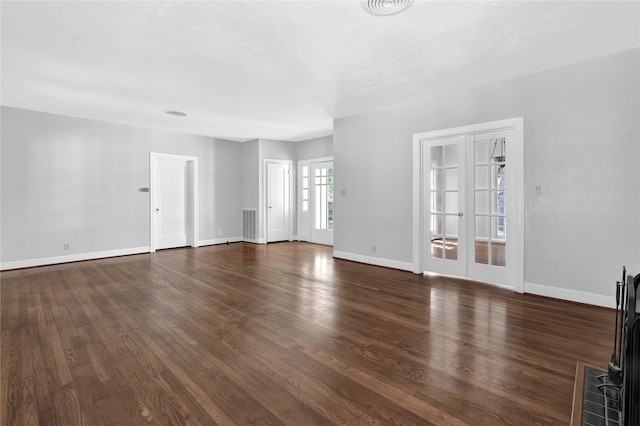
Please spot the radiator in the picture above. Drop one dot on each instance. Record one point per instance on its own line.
(249, 224)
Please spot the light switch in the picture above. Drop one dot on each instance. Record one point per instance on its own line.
(537, 189)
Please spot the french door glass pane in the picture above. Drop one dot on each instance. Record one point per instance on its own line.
(482, 152)
(482, 227)
(451, 226)
(437, 205)
(437, 180)
(482, 202)
(437, 248)
(451, 155)
(451, 202)
(482, 177)
(436, 157)
(451, 249)
(451, 179)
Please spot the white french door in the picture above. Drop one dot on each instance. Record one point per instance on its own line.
(321, 206)
(493, 207)
(445, 205)
(470, 211)
(278, 202)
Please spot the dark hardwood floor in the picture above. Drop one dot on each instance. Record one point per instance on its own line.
(283, 334)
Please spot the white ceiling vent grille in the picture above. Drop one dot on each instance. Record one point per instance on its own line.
(385, 7)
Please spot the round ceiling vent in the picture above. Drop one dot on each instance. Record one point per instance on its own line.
(385, 7)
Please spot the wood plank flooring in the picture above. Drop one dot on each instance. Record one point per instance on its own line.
(283, 334)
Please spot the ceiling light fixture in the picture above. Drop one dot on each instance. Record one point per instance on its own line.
(176, 113)
(385, 7)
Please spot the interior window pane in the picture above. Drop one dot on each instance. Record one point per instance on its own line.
(437, 225)
(436, 180)
(305, 194)
(451, 179)
(305, 205)
(305, 171)
(482, 227)
(437, 250)
(499, 228)
(498, 152)
(450, 155)
(436, 157)
(482, 177)
(451, 248)
(436, 202)
(498, 177)
(482, 152)
(451, 202)
(330, 172)
(317, 172)
(498, 202)
(498, 254)
(305, 182)
(451, 225)
(482, 202)
(482, 252)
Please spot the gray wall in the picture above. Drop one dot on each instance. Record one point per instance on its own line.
(249, 188)
(75, 181)
(315, 148)
(582, 144)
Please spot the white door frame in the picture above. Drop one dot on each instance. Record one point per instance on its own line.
(516, 157)
(192, 196)
(265, 199)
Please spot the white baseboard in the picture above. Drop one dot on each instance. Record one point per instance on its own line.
(216, 241)
(571, 295)
(378, 261)
(28, 263)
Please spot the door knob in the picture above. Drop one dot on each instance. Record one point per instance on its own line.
(460, 214)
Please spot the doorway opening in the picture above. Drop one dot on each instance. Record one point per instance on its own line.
(315, 195)
(469, 202)
(278, 191)
(173, 201)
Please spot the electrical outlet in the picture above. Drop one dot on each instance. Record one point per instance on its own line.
(66, 246)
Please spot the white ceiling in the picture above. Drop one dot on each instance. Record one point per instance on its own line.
(282, 69)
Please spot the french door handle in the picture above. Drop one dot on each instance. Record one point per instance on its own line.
(460, 214)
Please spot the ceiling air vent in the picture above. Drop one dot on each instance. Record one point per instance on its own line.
(385, 7)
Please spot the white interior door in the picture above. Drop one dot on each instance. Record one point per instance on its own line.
(278, 202)
(171, 203)
(444, 177)
(468, 204)
(321, 208)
